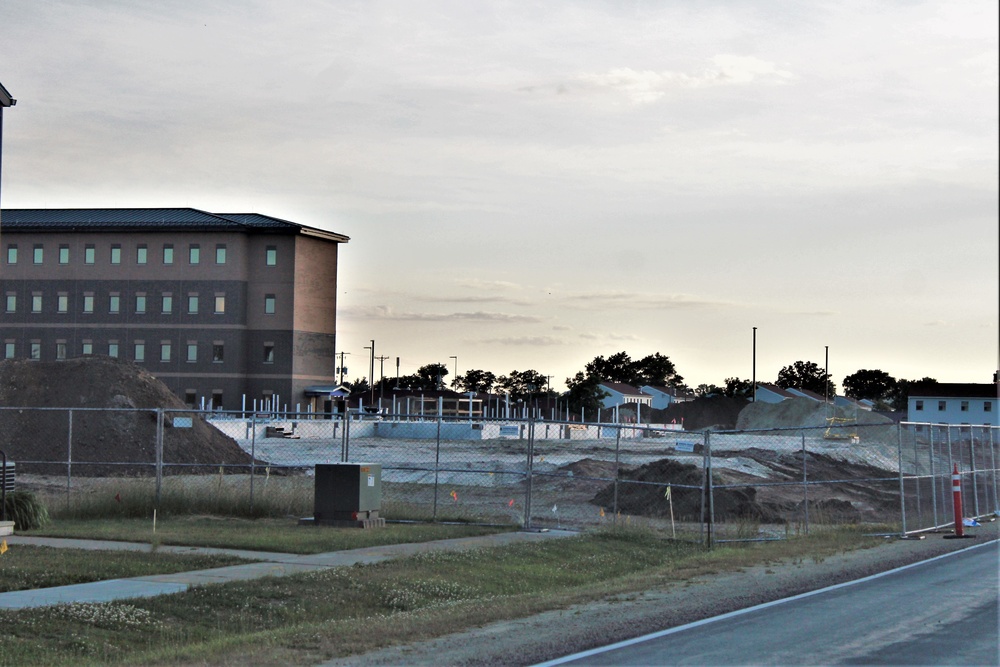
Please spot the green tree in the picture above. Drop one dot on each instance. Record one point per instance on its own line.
(522, 384)
(874, 385)
(654, 369)
(737, 388)
(584, 394)
(898, 397)
(704, 390)
(475, 380)
(808, 376)
(432, 376)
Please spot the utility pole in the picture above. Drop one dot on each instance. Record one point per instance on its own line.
(826, 376)
(754, 380)
(340, 368)
(381, 376)
(371, 371)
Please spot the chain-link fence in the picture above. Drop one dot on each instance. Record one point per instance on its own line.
(713, 486)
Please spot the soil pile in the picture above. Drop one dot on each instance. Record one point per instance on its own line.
(715, 412)
(126, 435)
(802, 413)
(649, 497)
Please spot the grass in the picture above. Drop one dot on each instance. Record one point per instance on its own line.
(304, 619)
(282, 535)
(25, 567)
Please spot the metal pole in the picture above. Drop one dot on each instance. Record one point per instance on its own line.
(918, 480)
(711, 490)
(993, 465)
(930, 430)
(902, 490)
(972, 466)
(946, 478)
(437, 467)
(530, 473)
(159, 455)
(618, 443)
(805, 483)
(253, 467)
(754, 381)
(69, 460)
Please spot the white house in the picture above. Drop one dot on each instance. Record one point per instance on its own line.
(619, 393)
(953, 403)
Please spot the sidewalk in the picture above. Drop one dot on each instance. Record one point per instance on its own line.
(268, 564)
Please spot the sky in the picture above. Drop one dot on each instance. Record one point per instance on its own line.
(531, 185)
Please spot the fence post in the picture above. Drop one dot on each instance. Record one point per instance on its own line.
(972, 466)
(805, 483)
(946, 477)
(618, 443)
(69, 461)
(437, 466)
(253, 464)
(710, 532)
(530, 467)
(930, 457)
(918, 478)
(993, 465)
(159, 454)
(902, 489)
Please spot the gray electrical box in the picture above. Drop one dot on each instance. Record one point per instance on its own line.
(348, 494)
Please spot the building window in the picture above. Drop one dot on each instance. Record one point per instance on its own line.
(87, 348)
(220, 253)
(168, 304)
(193, 304)
(38, 254)
(192, 351)
(9, 349)
(268, 353)
(113, 349)
(191, 398)
(269, 304)
(62, 303)
(12, 253)
(965, 406)
(942, 405)
(168, 253)
(140, 351)
(88, 302)
(217, 399)
(141, 254)
(220, 304)
(194, 253)
(218, 352)
(140, 303)
(114, 303)
(918, 405)
(64, 254)
(271, 255)
(116, 253)
(987, 406)
(165, 351)
(11, 303)
(36, 302)
(60, 350)
(36, 350)
(89, 254)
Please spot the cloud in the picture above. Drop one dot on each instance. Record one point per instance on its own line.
(522, 341)
(388, 313)
(475, 283)
(605, 299)
(471, 299)
(646, 86)
(609, 337)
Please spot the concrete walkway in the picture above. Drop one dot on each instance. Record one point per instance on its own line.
(268, 564)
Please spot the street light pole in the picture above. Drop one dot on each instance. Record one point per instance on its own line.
(754, 380)
(826, 376)
(371, 371)
(455, 379)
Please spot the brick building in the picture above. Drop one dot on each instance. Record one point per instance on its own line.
(218, 306)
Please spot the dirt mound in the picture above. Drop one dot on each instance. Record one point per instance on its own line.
(123, 436)
(801, 413)
(648, 497)
(715, 412)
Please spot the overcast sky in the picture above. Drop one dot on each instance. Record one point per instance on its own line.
(529, 185)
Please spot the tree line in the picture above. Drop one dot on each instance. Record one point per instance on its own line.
(584, 393)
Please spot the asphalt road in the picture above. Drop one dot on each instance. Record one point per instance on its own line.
(939, 612)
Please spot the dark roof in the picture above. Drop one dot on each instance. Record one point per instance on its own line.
(6, 100)
(147, 219)
(953, 390)
(624, 389)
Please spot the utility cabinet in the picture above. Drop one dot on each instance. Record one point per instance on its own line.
(348, 494)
